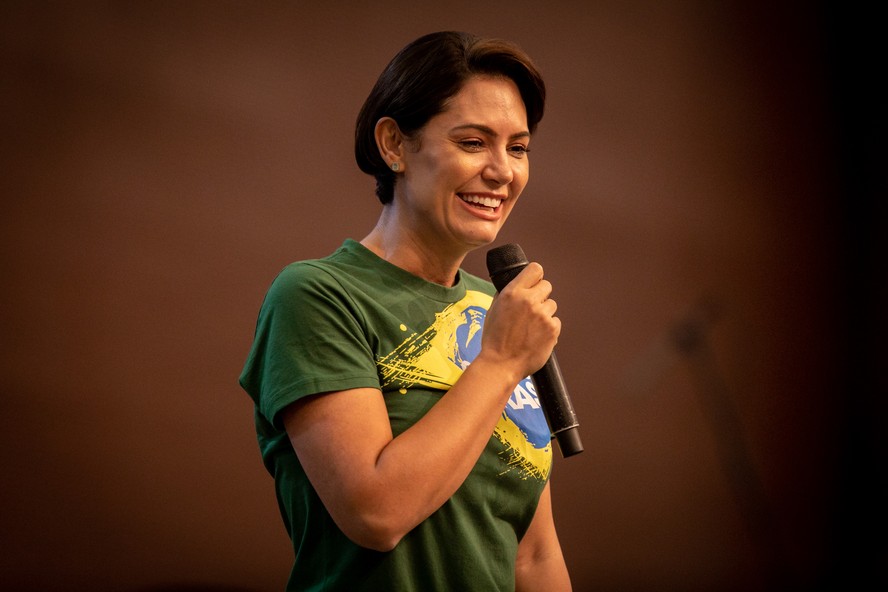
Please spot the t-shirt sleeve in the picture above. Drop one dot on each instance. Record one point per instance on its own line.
(310, 338)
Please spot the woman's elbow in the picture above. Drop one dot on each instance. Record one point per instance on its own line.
(373, 532)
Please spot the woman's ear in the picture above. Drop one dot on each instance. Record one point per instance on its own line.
(390, 142)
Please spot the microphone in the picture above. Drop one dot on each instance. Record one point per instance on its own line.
(503, 264)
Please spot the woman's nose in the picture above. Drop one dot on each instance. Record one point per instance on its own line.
(499, 168)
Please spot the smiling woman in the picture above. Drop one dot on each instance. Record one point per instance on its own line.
(458, 178)
(391, 390)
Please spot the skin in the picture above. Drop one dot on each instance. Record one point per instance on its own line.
(376, 487)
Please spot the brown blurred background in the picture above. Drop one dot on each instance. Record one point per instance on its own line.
(700, 196)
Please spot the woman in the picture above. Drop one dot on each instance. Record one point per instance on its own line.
(392, 406)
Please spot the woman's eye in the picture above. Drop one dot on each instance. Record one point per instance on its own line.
(471, 144)
(519, 150)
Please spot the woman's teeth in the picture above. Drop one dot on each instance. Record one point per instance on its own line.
(489, 202)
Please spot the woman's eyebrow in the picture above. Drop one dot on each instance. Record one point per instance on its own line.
(489, 131)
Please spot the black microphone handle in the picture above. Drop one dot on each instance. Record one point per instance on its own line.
(558, 409)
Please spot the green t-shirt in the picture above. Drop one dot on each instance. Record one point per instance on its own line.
(354, 320)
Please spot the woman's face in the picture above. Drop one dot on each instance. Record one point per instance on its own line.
(466, 168)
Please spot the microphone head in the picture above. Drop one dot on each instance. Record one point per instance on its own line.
(504, 257)
(504, 263)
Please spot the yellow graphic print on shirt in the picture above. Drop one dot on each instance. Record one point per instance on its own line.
(436, 357)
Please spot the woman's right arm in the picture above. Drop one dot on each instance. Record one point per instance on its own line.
(376, 487)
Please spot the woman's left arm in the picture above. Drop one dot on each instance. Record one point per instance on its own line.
(540, 562)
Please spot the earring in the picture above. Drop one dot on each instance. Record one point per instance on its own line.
(396, 166)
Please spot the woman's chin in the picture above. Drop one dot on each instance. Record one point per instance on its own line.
(479, 240)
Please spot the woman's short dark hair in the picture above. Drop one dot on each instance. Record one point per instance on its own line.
(423, 76)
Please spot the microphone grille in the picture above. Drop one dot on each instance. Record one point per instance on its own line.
(507, 256)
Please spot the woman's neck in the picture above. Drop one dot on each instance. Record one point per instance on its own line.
(392, 243)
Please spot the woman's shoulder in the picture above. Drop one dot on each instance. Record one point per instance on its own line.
(311, 270)
(335, 273)
(300, 276)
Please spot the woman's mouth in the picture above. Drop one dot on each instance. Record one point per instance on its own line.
(484, 202)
